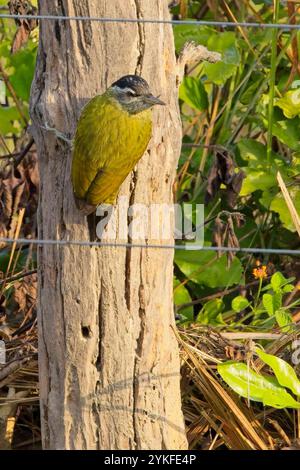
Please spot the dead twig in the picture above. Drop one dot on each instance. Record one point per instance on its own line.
(191, 54)
(23, 153)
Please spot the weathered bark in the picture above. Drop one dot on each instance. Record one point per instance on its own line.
(109, 365)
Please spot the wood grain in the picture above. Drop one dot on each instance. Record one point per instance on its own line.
(109, 364)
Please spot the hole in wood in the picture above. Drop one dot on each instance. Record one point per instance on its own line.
(86, 331)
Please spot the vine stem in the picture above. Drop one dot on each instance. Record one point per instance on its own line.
(272, 83)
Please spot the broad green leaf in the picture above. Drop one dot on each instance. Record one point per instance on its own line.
(204, 268)
(288, 132)
(239, 303)
(5, 47)
(289, 103)
(226, 44)
(255, 153)
(277, 301)
(186, 33)
(278, 280)
(2, 92)
(280, 283)
(7, 117)
(285, 374)
(252, 152)
(248, 384)
(288, 288)
(220, 72)
(272, 302)
(268, 303)
(182, 296)
(193, 93)
(256, 180)
(23, 64)
(278, 205)
(211, 313)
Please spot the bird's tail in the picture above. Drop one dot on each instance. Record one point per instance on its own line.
(84, 207)
(91, 220)
(89, 211)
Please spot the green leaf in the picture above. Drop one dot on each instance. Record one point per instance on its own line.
(182, 296)
(278, 281)
(252, 151)
(256, 180)
(23, 64)
(272, 302)
(258, 176)
(284, 373)
(289, 103)
(210, 314)
(277, 301)
(268, 303)
(288, 132)
(220, 72)
(255, 153)
(248, 384)
(186, 33)
(193, 93)
(204, 268)
(239, 303)
(278, 205)
(7, 117)
(288, 288)
(226, 44)
(285, 321)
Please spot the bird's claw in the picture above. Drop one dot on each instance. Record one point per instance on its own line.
(57, 133)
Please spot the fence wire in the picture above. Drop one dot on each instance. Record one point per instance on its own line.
(220, 24)
(190, 247)
(187, 247)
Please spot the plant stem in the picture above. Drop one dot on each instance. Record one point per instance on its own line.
(258, 293)
(208, 137)
(272, 83)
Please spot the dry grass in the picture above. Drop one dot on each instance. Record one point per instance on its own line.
(215, 415)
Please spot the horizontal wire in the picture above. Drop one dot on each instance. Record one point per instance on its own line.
(221, 24)
(190, 247)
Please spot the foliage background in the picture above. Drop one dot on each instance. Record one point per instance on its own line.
(226, 105)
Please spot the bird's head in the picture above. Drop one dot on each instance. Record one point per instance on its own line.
(133, 94)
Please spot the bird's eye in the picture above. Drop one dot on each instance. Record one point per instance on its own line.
(131, 93)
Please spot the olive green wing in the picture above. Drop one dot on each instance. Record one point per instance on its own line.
(88, 157)
(108, 144)
(107, 182)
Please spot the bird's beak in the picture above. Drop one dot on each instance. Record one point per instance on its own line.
(152, 100)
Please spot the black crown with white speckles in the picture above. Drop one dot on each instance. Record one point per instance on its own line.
(135, 83)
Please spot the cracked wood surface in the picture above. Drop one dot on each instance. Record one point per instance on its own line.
(109, 364)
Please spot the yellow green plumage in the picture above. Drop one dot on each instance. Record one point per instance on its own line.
(110, 139)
